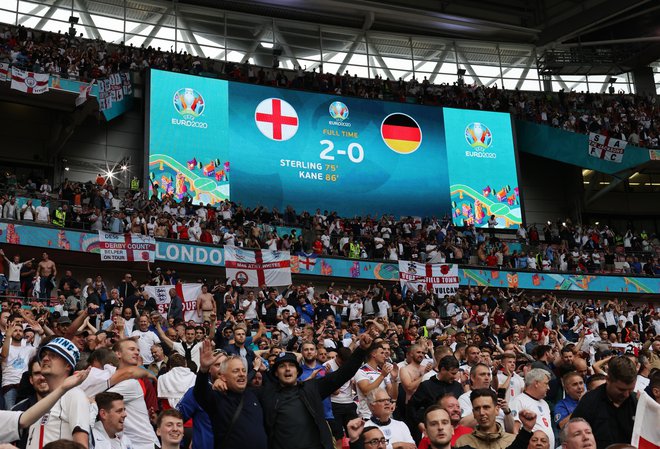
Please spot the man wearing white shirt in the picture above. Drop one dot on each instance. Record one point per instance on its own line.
(43, 213)
(107, 432)
(516, 384)
(249, 306)
(396, 432)
(69, 418)
(15, 359)
(536, 388)
(137, 423)
(145, 339)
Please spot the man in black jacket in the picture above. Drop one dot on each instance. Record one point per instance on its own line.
(293, 411)
(236, 414)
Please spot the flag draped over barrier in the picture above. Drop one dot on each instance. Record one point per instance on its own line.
(439, 278)
(127, 247)
(253, 268)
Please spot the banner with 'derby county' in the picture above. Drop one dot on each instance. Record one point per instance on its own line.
(126, 247)
(439, 278)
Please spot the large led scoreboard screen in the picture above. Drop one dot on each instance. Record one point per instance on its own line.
(213, 140)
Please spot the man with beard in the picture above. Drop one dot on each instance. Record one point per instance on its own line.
(41, 389)
(412, 374)
(489, 434)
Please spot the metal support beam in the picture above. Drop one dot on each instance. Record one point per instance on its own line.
(576, 84)
(368, 22)
(255, 43)
(419, 64)
(285, 45)
(617, 179)
(48, 14)
(379, 58)
(143, 26)
(507, 70)
(438, 65)
(524, 73)
(33, 12)
(561, 82)
(83, 9)
(155, 30)
(469, 68)
(190, 37)
(605, 85)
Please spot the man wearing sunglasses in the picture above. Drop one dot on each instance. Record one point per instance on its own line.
(395, 432)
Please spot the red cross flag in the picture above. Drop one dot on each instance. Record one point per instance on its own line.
(253, 268)
(29, 82)
(276, 119)
(646, 433)
(439, 278)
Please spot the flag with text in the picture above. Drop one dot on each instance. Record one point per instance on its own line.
(253, 268)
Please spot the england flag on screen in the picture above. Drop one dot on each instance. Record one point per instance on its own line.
(276, 119)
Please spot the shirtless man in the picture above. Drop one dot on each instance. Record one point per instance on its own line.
(47, 272)
(205, 304)
(413, 373)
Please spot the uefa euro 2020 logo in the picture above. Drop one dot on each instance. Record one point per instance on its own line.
(189, 103)
(478, 136)
(338, 110)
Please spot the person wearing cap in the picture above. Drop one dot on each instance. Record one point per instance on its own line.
(69, 417)
(293, 410)
(13, 422)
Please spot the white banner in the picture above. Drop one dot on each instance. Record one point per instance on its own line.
(646, 433)
(253, 268)
(113, 89)
(606, 148)
(438, 278)
(127, 247)
(29, 82)
(4, 71)
(187, 292)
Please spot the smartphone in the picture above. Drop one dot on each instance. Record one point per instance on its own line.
(501, 393)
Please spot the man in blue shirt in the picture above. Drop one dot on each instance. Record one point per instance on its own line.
(190, 408)
(574, 388)
(311, 368)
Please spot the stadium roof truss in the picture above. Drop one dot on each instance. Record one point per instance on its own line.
(499, 42)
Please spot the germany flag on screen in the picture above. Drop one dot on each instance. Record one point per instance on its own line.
(401, 133)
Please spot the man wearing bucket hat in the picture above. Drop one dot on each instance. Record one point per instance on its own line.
(69, 418)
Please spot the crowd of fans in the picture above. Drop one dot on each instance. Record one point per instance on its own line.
(310, 368)
(629, 117)
(556, 246)
(298, 367)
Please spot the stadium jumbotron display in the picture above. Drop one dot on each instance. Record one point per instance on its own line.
(214, 140)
